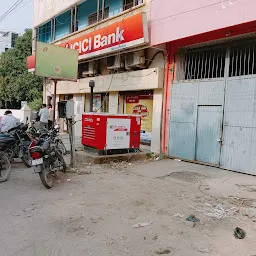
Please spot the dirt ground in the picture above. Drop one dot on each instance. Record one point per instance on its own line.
(92, 212)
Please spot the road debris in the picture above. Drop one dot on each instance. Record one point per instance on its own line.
(178, 215)
(96, 219)
(217, 212)
(68, 180)
(204, 250)
(141, 225)
(28, 209)
(178, 160)
(162, 252)
(192, 218)
(239, 233)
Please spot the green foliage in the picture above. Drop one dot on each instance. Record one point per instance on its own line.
(35, 104)
(16, 84)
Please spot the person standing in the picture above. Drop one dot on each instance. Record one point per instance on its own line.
(44, 115)
(50, 118)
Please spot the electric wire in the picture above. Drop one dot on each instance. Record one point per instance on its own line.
(11, 9)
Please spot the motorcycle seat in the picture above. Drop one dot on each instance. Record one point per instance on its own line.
(4, 135)
(36, 149)
(7, 140)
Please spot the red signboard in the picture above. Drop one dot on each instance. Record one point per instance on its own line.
(128, 32)
(132, 99)
(31, 61)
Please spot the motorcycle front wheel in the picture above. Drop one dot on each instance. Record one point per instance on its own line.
(46, 178)
(61, 147)
(26, 159)
(62, 161)
(5, 168)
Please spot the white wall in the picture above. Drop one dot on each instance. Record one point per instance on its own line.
(113, 102)
(156, 120)
(5, 41)
(22, 114)
(137, 80)
(159, 60)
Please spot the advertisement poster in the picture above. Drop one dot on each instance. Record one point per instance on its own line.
(142, 105)
(118, 131)
(97, 103)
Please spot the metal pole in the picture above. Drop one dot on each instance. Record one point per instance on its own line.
(98, 11)
(91, 85)
(70, 123)
(103, 7)
(54, 101)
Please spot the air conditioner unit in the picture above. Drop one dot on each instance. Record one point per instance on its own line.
(88, 69)
(115, 62)
(135, 60)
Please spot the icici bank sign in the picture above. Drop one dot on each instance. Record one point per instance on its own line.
(129, 32)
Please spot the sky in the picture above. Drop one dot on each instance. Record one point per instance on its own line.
(19, 19)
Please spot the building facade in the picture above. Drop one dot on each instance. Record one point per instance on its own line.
(7, 40)
(210, 84)
(112, 37)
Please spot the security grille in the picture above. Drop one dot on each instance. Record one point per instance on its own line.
(201, 64)
(242, 60)
(207, 63)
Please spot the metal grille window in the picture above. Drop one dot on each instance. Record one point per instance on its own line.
(242, 60)
(127, 4)
(201, 64)
(93, 17)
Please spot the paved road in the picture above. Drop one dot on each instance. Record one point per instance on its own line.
(93, 214)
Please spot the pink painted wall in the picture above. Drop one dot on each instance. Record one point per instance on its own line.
(176, 19)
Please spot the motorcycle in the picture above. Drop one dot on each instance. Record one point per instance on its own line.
(54, 134)
(15, 144)
(47, 159)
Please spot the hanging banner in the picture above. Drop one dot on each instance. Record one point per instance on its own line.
(142, 105)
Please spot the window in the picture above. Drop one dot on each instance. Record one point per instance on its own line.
(115, 6)
(131, 3)
(45, 32)
(74, 25)
(63, 25)
(84, 10)
(93, 17)
(14, 37)
(82, 16)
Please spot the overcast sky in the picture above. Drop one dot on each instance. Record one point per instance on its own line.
(19, 19)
